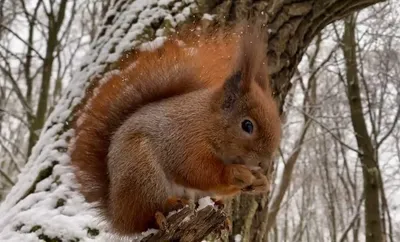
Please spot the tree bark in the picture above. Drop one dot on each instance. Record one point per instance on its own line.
(46, 179)
(189, 225)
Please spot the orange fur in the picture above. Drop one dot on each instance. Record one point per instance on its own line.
(131, 167)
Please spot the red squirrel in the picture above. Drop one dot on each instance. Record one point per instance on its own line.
(192, 117)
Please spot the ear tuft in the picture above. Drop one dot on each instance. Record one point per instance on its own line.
(252, 58)
(250, 66)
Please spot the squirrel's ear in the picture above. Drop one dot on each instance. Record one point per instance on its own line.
(234, 87)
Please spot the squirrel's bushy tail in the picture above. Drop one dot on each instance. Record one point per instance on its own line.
(144, 77)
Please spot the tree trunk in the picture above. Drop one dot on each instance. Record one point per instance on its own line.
(55, 22)
(373, 226)
(45, 201)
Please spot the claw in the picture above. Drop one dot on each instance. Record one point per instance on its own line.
(218, 203)
(175, 204)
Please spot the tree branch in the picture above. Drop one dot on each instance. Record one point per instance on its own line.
(190, 225)
(6, 177)
(353, 220)
(22, 40)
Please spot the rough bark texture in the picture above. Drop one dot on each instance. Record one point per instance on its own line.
(291, 24)
(188, 225)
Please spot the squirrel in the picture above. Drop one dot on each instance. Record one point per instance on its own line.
(192, 118)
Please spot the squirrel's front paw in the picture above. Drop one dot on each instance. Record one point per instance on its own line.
(260, 184)
(240, 176)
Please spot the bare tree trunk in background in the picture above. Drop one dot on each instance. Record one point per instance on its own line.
(7, 17)
(309, 105)
(55, 21)
(350, 185)
(94, 10)
(29, 79)
(27, 46)
(291, 25)
(367, 155)
(329, 192)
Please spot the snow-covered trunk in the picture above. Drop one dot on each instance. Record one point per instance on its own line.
(45, 205)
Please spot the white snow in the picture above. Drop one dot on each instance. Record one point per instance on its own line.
(204, 202)
(208, 16)
(238, 238)
(55, 208)
(152, 45)
(149, 232)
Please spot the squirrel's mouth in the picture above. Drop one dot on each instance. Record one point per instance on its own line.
(236, 160)
(240, 161)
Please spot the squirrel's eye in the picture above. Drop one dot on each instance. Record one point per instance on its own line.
(247, 126)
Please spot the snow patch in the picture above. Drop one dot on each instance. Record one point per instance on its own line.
(207, 16)
(238, 238)
(204, 202)
(153, 45)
